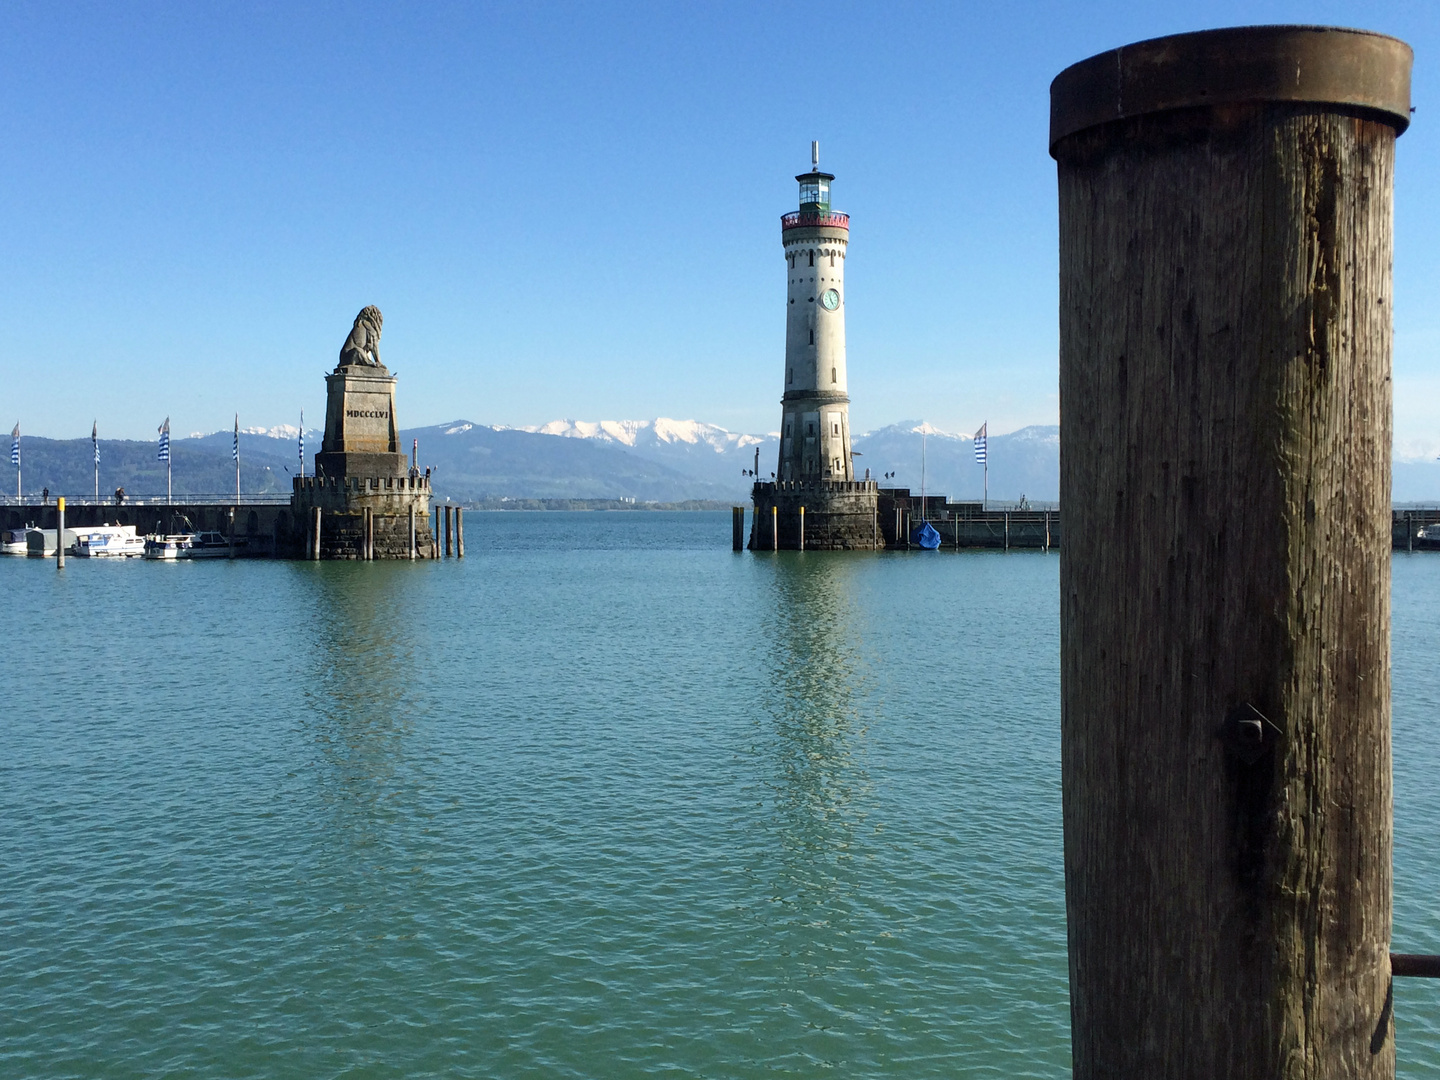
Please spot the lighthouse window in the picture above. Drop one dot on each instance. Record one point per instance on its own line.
(812, 337)
(810, 429)
(789, 375)
(812, 261)
(835, 429)
(833, 379)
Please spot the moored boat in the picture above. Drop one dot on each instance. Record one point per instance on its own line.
(108, 541)
(202, 545)
(12, 541)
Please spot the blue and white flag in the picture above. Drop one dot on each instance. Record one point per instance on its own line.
(95, 439)
(981, 438)
(302, 441)
(235, 447)
(15, 445)
(165, 440)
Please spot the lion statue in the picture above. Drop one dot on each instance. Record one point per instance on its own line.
(362, 347)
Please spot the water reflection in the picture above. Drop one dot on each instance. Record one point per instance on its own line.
(818, 711)
(364, 691)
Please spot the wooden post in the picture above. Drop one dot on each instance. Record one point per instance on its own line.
(435, 536)
(230, 553)
(775, 528)
(315, 532)
(1409, 532)
(459, 532)
(412, 532)
(1007, 530)
(737, 528)
(449, 530)
(59, 533)
(1225, 335)
(875, 530)
(369, 535)
(1047, 530)
(802, 528)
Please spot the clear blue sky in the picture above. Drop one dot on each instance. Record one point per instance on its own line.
(567, 210)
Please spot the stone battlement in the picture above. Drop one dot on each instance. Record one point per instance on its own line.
(838, 515)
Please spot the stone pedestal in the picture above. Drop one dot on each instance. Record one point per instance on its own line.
(840, 515)
(361, 467)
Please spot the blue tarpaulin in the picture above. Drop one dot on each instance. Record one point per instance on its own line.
(925, 536)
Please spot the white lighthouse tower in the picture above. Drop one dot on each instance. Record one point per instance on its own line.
(815, 418)
(815, 500)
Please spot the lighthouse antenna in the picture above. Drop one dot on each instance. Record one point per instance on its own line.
(815, 154)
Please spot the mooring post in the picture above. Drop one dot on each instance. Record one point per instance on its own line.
(369, 534)
(315, 533)
(1007, 530)
(1225, 205)
(1047, 530)
(775, 528)
(875, 530)
(737, 528)
(459, 532)
(59, 533)
(1409, 532)
(435, 536)
(230, 552)
(802, 528)
(449, 531)
(412, 532)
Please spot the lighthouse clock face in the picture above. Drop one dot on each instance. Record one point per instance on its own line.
(830, 299)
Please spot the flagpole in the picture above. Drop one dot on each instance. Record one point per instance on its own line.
(95, 442)
(165, 456)
(923, 436)
(236, 452)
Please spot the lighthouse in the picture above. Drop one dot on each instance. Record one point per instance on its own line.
(815, 418)
(815, 500)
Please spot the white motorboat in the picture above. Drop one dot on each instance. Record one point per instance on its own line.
(204, 545)
(12, 541)
(108, 541)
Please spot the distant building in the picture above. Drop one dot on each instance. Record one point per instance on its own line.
(815, 475)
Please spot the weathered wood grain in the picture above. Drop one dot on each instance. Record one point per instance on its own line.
(1225, 334)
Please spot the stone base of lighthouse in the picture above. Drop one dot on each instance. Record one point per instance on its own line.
(839, 515)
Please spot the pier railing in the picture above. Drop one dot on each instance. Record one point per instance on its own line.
(180, 498)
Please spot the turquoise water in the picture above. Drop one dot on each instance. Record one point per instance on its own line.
(602, 800)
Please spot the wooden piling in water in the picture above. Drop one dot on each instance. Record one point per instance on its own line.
(737, 528)
(449, 520)
(435, 534)
(59, 534)
(459, 532)
(1007, 530)
(1225, 203)
(412, 532)
(802, 528)
(774, 528)
(315, 535)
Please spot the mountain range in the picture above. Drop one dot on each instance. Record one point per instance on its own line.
(659, 460)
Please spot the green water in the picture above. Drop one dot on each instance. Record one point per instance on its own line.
(602, 800)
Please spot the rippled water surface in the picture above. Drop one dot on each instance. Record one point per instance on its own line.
(602, 800)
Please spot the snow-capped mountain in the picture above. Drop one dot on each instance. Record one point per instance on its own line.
(1024, 462)
(661, 430)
